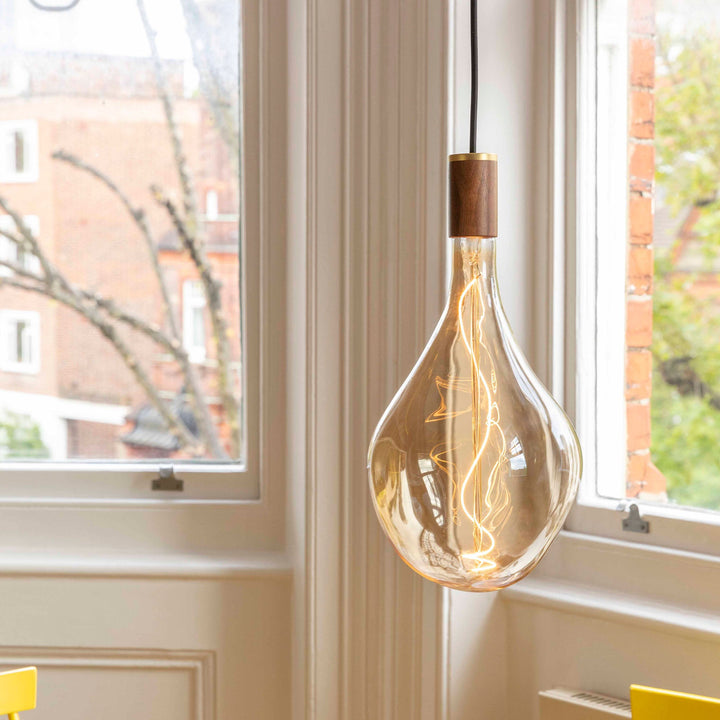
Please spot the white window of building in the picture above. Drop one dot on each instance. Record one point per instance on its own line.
(194, 320)
(18, 151)
(11, 253)
(20, 349)
(211, 205)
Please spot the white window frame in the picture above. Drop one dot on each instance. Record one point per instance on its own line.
(224, 508)
(29, 130)
(578, 364)
(193, 299)
(31, 366)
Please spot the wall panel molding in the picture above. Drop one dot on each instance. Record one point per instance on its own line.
(200, 664)
(376, 164)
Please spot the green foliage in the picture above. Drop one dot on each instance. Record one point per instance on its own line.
(685, 324)
(686, 327)
(685, 432)
(20, 438)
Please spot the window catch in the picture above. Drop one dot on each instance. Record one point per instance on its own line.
(167, 480)
(633, 522)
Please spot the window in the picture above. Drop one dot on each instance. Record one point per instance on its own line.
(648, 303)
(141, 106)
(104, 441)
(211, 205)
(194, 320)
(20, 332)
(18, 254)
(19, 152)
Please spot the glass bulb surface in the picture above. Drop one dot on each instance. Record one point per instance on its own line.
(474, 466)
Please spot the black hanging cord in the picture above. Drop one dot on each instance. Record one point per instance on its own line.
(473, 74)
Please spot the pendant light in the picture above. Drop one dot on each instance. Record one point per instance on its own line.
(473, 467)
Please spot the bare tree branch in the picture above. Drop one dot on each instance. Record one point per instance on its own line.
(193, 387)
(176, 349)
(175, 425)
(186, 184)
(103, 313)
(187, 228)
(139, 218)
(216, 92)
(220, 329)
(28, 238)
(53, 284)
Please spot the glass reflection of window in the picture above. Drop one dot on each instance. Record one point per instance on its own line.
(428, 470)
(518, 462)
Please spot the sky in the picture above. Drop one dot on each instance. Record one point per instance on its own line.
(107, 27)
(677, 14)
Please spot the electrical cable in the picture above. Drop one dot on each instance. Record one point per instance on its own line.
(473, 74)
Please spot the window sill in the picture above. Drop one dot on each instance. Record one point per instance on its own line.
(661, 588)
(615, 607)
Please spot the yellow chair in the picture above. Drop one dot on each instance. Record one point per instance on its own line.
(18, 691)
(653, 704)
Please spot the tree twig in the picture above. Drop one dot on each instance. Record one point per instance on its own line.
(139, 218)
(186, 184)
(53, 284)
(175, 425)
(213, 89)
(193, 387)
(220, 329)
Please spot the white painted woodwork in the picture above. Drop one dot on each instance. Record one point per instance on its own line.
(375, 222)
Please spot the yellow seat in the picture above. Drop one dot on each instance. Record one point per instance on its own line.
(653, 704)
(18, 691)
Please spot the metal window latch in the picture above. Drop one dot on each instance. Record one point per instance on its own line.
(167, 480)
(633, 522)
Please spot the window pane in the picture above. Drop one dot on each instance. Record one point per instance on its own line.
(136, 107)
(672, 249)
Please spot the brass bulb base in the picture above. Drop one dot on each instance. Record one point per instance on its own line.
(473, 195)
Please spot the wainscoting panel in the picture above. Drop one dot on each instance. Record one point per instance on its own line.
(118, 684)
(184, 648)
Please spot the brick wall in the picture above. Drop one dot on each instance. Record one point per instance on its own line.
(643, 478)
(88, 234)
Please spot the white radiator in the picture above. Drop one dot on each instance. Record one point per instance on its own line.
(563, 704)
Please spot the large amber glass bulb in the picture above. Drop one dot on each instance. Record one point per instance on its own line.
(473, 466)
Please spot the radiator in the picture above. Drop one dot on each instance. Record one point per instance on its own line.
(563, 704)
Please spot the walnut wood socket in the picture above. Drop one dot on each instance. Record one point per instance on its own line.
(473, 195)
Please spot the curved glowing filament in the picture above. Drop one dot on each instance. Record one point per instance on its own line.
(485, 540)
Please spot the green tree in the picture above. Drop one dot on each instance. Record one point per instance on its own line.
(686, 325)
(20, 438)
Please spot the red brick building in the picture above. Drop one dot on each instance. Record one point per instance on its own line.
(54, 365)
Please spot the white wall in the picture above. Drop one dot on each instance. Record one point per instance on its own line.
(143, 645)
